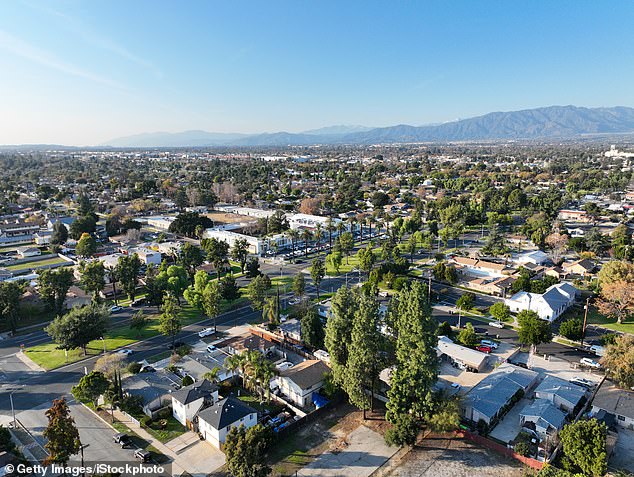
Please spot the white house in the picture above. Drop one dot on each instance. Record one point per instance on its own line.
(549, 305)
(215, 422)
(148, 256)
(160, 223)
(188, 401)
(536, 257)
(24, 252)
(302, 380)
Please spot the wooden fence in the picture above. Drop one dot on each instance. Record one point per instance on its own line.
(499, 448)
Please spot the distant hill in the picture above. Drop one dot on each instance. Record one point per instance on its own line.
(554, 122)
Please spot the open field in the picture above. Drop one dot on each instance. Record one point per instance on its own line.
(36, 264)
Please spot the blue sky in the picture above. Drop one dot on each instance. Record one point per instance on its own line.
(82, 72)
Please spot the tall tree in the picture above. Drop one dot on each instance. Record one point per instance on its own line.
(619, 360)
(90, 387)
(245, 451)
(217, 253)
(169, 320)
(61, 434)
(93, 278)
(78, 327)
(10, 294)
(86, 246)
(190, 257)
(346, 240)
(211, 301)
(53, 286)
(364, 360)
(339, 330)
(584, 446)
(532, 330)
(416, 371)
(257, 291)
(240, 252)
(127, 270)
(317, 273)
(299, 285)
(312, 328)
(617, 300)
(60, 233)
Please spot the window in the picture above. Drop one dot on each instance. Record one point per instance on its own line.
(620, 418)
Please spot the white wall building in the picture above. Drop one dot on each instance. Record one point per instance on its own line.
(215, 422)
(186, 402)
(549, 306)
(148, 256)
(256, 245)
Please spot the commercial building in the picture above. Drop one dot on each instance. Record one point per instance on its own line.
(256, 245)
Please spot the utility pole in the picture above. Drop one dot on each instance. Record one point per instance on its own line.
(429, 288)
(585, 320)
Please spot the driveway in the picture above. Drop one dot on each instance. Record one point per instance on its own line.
(365, 452)
(509, 427)
(623, 451)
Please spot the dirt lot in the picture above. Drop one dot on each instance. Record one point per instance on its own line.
(222, 218)
(441, 457)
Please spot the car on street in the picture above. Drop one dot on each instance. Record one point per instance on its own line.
(589, 362)
(142, 455)
(122, 439)
(294, 301)
(115, 309)
(206, 332)
(489, 343)
(125, 351)
(497, 324)
(484, 349)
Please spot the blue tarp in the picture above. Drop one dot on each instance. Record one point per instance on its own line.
(319, 400)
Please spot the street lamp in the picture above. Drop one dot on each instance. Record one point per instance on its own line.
(104, 344)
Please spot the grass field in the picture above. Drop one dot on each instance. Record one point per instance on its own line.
(596, 318)
(49, 357)
(36, 264)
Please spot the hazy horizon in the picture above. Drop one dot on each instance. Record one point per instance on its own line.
(83, 73)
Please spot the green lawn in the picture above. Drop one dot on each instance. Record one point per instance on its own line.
(172, 430)
(36, 264)
(596, 318)
(47, 356)
(254, 401)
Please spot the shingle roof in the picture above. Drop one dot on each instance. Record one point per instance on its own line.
(307, 373)
(494, 391)
(564, 389)
(546, 412)
(194, 392)
(615, 400)
(225, 412)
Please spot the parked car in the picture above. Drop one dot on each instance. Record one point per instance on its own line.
(122, 439)
(597, 349)
(294, 301)
(115, 309)
(583, 382)
(211, 348)
(489, 343)
(125, 351)
(497, 324)
(484, 349)
(284, 366)
(142, 455)
(589, 362)
(206, 332)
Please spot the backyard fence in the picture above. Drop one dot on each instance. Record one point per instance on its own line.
(499, 448)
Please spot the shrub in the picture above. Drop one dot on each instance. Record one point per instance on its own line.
(146, 421)
(400, 283)
(444, 329)
(571, 329)
(183, 350)
(482, 427)
(134, 367)
(187, 380)
(522, 448)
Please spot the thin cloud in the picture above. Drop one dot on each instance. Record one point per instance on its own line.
(100, 41)
(19, 47)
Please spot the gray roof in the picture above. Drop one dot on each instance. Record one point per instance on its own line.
(614, 400)
(494, 391)
(307, 373)
(225, 412)
(193, 392)
(562, 388)
(546, 413)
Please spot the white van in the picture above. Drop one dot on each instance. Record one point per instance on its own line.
(598, 350)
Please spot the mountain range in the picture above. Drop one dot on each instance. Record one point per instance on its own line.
(553, 122)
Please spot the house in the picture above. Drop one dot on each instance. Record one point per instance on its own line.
(545, 417)
(148, 256)
(470, 358)
(536, 257)
(186, 402)
(302, 380)
(67, 221)
(479, 268)
(549, 306)
(582, 268)
(563, 394)
(292, 330)
(488, 399)
(573, 215)
(43, 237)
(24, 252)
(160, 223)
(215, 422)
(498, 286)
(556, 272)
(616, 402)
(240, 344)
(536, 271)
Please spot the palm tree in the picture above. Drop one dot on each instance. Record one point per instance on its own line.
(306, 236)
(319, 234)
(361, 221)
(330, 227)
(212, 375)
(294, 235)
(341, 227)
(236, 362)
(271, 311)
